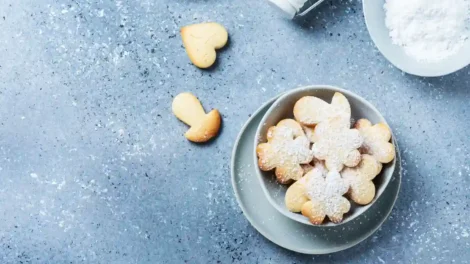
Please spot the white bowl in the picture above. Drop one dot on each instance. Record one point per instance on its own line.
(374, 14)
(283, 108)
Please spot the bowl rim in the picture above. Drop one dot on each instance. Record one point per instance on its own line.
(393, 59)
(271, 109)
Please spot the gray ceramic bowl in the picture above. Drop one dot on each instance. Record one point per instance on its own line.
(374, 14)
(283, 108)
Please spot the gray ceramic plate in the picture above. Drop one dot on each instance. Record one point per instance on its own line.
(374, 14)
(282, 230)
(283, 108)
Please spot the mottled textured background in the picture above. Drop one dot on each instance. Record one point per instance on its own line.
(94, 167)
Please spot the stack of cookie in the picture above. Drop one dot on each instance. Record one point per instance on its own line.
(326, 160)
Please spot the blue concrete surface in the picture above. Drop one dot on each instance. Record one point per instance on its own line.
(94, 167)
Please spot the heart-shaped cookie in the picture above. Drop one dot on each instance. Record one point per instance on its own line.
(310, 110)
(201, 41)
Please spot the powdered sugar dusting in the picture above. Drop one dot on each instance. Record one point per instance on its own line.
(295, 151)
(337, 143)
(328, 191)
(429, 30)
(285, 150)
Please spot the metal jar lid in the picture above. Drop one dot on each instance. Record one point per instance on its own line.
(285, 6)
(293, 8)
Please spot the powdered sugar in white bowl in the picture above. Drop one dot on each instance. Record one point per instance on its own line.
(421, 37)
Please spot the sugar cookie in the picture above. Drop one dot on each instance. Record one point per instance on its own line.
(292, 124)
(187, 108)
(286, 149)
(362, 189)
(326, 197)
(337, 144)
(311, 110)
(376, 140)
(201, 41)
(296, 194)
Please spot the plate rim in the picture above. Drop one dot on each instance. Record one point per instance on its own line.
(267, 236)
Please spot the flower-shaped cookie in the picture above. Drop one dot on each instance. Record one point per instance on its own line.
(311, 110)
(337, 144)
(286, 149)
(376, 140)
(326, 197)
(362, 189)
(296, 194)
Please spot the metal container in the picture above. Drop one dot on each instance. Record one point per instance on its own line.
(295, 8)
